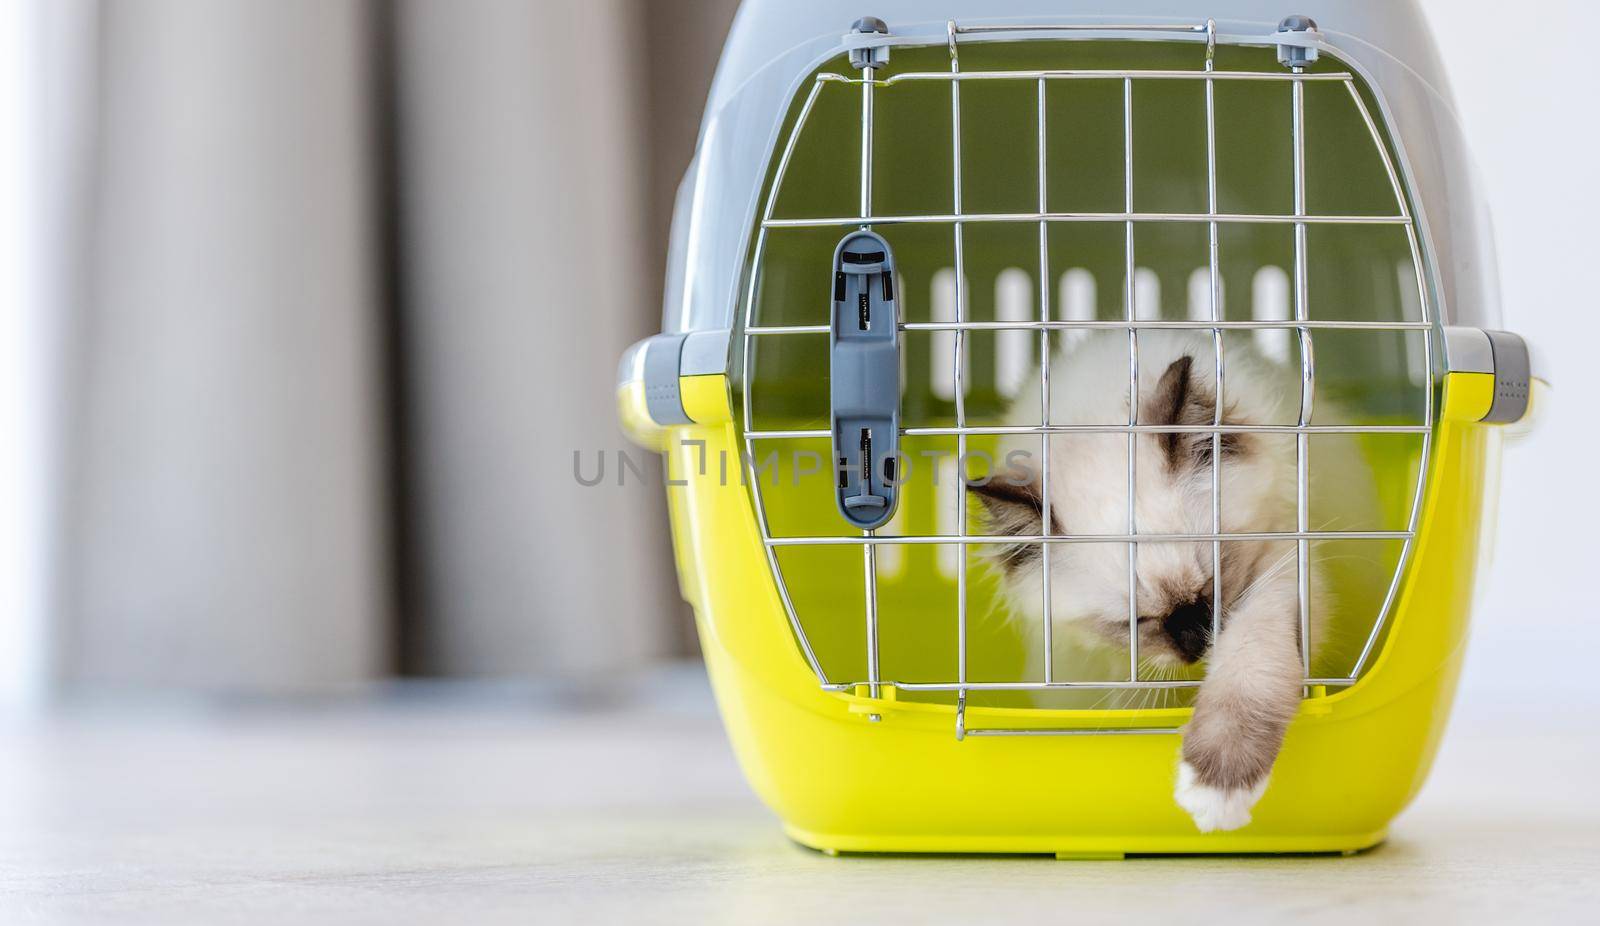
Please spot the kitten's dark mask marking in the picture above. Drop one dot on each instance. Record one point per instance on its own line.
(1182, 399)
(1012, 502)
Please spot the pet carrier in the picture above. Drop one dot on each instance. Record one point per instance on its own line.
(894, 228)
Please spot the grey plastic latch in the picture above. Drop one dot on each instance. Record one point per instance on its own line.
(864, 371)
(869, 56)
(1297, 56)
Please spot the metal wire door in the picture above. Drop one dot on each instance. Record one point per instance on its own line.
(875, 92)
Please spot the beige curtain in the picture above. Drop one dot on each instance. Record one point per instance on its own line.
(353, 282)
(522, 263)
(223, 516)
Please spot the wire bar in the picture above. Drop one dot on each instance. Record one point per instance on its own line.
(1045, 520)
(869, 552)
(1421, 267)
(1071, 731)
(1059, 27)
(960, 486)
(1388, 162)
(1214, 281)
(1302, 461)
(983, 539)
(1067, 325)
(1133, 381)
(1175, 324)
(1127, 216)
(867, 84)
(1110, 685)
(787, 329)
(936, 431)
(749, 383)
(1074, 74)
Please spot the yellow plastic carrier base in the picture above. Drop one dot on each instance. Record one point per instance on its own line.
(1028, 176)
(843, 783)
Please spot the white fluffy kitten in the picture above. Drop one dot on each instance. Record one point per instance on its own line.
(1252, 686)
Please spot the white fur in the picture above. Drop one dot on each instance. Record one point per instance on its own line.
(1089, 479)
(1255, 665)
(1215, 809)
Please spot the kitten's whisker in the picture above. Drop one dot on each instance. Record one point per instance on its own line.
(1269, 573)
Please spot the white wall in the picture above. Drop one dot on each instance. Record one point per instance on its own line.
(21, 424)
(1526, 91)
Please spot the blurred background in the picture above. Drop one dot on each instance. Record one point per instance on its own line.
(323, 298)
(308, 305)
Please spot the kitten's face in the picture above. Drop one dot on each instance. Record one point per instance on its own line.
(1088, 496)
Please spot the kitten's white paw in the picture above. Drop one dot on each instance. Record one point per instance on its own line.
(1215, 808)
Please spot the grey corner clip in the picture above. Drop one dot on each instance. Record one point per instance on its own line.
(867, 55)
(864, 380)
(1293, 55)
(662, 356)
(1512, 378)
(1501, 354)
(658, 361)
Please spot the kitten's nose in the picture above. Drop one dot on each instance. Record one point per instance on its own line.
(1189, 627)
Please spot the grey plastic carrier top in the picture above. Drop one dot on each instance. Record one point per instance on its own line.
(775, 44)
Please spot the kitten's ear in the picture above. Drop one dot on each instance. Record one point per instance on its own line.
(1012, 506)
(1011, 499)
(1182, 398)
(1178, 398)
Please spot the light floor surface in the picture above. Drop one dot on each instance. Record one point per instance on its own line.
(444, 807)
